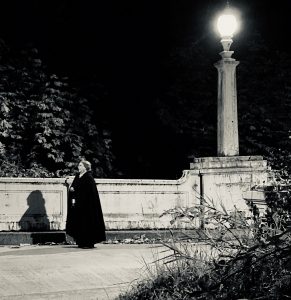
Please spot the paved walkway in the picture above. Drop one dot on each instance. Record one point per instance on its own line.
(67, 272)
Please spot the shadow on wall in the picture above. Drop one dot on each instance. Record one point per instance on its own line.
(35, 217)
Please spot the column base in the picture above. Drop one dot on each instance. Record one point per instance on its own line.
(229, 162)
(230, 180)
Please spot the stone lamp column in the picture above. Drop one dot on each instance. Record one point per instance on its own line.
(227, 123)
(229, 178)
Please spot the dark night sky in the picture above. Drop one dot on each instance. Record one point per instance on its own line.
(81, 37)
(121, 43)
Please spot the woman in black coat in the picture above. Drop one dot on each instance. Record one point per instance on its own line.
(85, 221)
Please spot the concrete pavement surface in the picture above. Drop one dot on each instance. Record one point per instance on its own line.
(67, 272)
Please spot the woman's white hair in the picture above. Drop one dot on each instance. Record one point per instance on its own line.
(86, 164)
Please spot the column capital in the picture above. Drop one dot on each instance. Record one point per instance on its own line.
(226, 62)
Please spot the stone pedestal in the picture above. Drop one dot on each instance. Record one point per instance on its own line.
(229, 180)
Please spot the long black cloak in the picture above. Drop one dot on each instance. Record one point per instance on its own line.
(85, 221)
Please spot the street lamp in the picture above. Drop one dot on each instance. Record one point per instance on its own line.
(227, 124)
(228, 178)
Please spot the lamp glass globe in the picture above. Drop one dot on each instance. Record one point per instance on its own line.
(227, 25)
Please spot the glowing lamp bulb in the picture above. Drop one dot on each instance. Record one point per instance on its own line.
(227, 25)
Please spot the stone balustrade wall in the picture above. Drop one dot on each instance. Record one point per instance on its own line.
(40, 204)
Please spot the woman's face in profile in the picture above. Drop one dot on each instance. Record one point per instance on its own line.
(81, 168)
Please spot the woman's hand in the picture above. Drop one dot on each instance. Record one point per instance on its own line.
(72, 189)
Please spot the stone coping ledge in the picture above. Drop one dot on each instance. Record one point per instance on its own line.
(104, 181)
(229, 158)
(32, 180)
(229, 162)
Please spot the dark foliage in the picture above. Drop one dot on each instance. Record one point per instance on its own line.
(246, 265)
(176, 123)
(45, 125)
(188, 105)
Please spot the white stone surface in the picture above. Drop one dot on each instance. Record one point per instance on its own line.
(32, 202)
(126, 204)
(41, 204)
(228, 180)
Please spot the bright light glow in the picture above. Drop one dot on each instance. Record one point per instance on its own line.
(227, 25)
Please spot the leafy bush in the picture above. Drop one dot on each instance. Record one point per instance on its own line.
(46, 126)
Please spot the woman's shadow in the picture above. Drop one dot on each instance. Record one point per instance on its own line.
(35, 217)
(36, 221)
